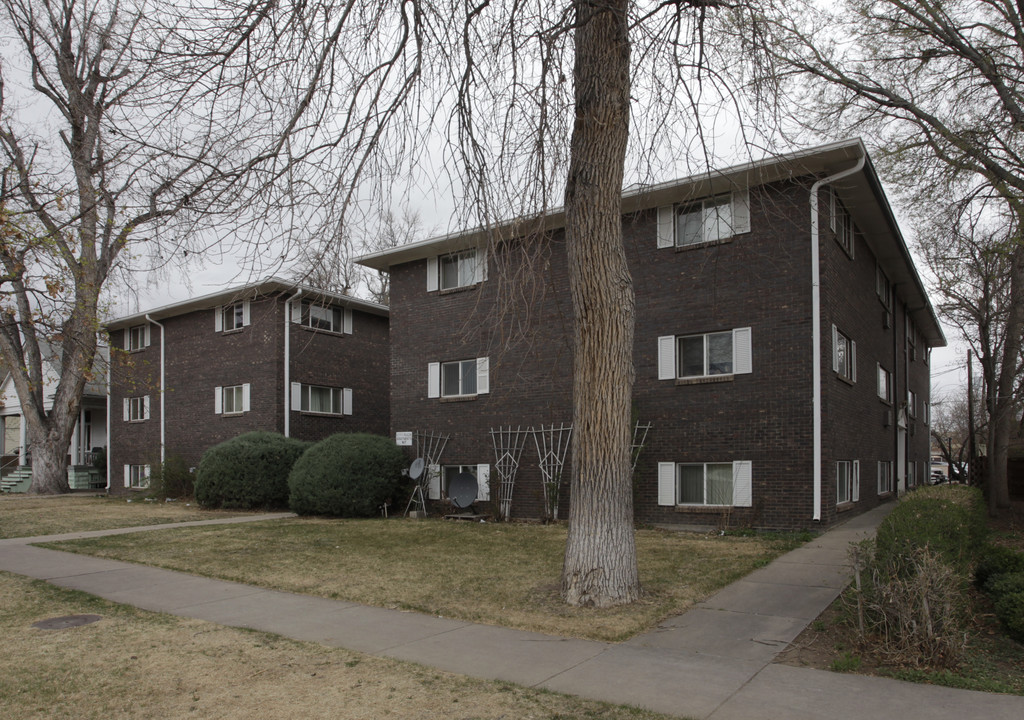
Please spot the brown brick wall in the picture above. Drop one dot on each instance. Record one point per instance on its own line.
(759, 280)
(199, 359)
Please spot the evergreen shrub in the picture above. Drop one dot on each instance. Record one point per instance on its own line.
(997, 560)
(249, 471)
(347, 475)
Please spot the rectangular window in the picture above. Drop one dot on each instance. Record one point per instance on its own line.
(705, 221)
(844, 482)
(882, 287)
(884, 477)
(137, 477)
(320, 399)
(842, 225)
(912, 403)
(704, 483)
(137, 408)
(137, 337)
(233, 399)
(703, 355)
(458, 378)
(884, 384)
(234, 316)
(925, 413)
(457, 270)
(911, 475)
(844, 360)
(325, 318)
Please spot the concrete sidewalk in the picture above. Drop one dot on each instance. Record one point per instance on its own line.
(711, 662)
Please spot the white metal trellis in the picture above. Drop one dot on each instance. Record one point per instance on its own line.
(552, 446)
(508, 447)
(640, 431)
(429, 446)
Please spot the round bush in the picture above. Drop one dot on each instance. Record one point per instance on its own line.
(249, 471)
(1010, 611)
(347, 475)
(997, 560)
(950, 523)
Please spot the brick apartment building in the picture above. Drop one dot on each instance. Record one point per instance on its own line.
(270, 355)
(781, 347)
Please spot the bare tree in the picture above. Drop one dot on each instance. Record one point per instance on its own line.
(940, 88)
(122, 131)
(950, 429)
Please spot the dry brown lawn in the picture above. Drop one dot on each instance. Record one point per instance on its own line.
(31, 515)
(137, 664)
(500, 574)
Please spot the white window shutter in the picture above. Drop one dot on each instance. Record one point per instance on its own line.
(346, 401)
(853, 360)
(146, 472)
(742, 354)
(147, 332)
(218, 319)
(347, 320)
(878, 490)
(667, 357)
(296, 396)
(127, 409)
(245, 313)
(666, 483)
(433, 380)
(145, 407)
(432, 274)
(127, 338)
(483, 482)
(741, 211)
(217, 400)
(832, 209)
(835, 348)
(296, 311)
(434, 482)
(855, 481)
(480, 269)
(483, 376)
(246, 397)
(742, 483)
(127, 475)
(666, 226)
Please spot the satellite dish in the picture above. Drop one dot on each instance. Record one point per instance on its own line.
(462, 490)
(416, 469)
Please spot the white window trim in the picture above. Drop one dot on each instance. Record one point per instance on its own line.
(742, 355)
(145, 471)
(479, 269)
(218, 317)
(218, 399)
(853, 470)
(836, 332)
(346, 400)
(885, 473)
(483, 378)
(666, 219)
(742, 484)
(887, 397)
(146, 336)
(127, 408)
(834, 205)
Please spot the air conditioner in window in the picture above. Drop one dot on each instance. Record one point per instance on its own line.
(887, 418)
(886, 319)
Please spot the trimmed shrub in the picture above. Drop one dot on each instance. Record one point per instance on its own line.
(1010, 611)
(949, 520)
(173, 479)
(249, 471)
(997, 560)
(347, 475)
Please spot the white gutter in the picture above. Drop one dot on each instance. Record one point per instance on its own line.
(163, 395)
(816, 323)
(288, 362)
(108, 425)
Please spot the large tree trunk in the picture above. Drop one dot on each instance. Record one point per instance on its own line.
(600, 554)
(50, 467)
(1003, 419)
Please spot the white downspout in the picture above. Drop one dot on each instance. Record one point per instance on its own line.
(108, 424)
(163, 395)
(816, 323)
(288, 362)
